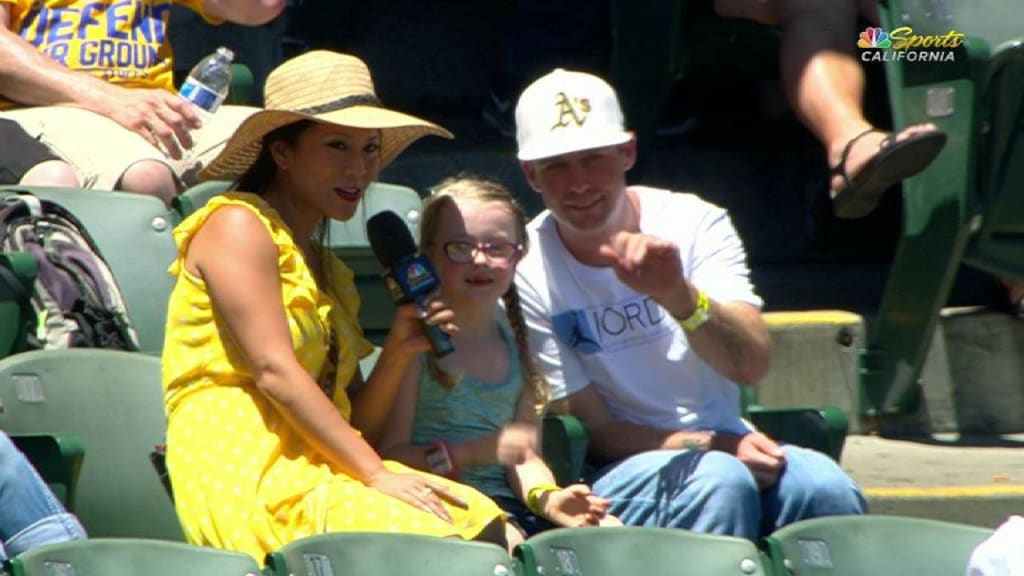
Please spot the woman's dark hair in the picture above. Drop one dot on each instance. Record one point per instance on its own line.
(262, 172)
(263, 169)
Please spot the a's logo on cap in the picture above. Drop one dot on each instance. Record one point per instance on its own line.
(571, 111)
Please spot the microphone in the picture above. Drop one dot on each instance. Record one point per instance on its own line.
(408, 276)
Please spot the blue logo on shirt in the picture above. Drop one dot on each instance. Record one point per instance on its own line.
(611, 327)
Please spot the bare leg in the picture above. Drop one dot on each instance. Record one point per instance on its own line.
(51, 173)
(150, 177)
(823, 79)
(513, 537)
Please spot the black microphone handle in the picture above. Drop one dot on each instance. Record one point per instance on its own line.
(440, 341)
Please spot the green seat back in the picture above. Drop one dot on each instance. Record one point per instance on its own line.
(131, 557)
(856, 545)
(388, 554)
(634, 550)
(17, 318)
(968, 205)
(57, 458)
(998, 245)
(197, 196)
(243, 87)
(113, 401)
(565, 442)
(133, 233)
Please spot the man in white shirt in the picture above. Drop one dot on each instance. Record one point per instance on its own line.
(644, 321)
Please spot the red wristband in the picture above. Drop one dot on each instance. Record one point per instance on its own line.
(441, 459)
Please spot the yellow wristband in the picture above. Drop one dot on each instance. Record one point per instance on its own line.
(700, 313)
(534, 495)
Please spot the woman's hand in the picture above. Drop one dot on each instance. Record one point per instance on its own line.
(417, 491)
(516, 441)
(406, 332)
(575, 506)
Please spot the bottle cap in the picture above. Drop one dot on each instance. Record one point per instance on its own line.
(226, 53)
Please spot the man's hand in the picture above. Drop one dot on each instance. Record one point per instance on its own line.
(162, 118)
(762, 455)
(651, 265)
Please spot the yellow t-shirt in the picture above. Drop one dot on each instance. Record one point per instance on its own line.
(244, 479)
(121, 41)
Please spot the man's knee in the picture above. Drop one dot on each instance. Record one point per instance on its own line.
(726, 478)
(150, 177)
(821, 486)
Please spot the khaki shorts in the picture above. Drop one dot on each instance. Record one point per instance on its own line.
(101, 149)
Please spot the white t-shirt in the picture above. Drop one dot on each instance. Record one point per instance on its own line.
(587, 327)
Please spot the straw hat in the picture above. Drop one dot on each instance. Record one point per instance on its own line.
(326, 87)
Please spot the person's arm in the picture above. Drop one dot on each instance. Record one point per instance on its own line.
(613, 439)
(510, 444)
(373, 400)
(396, 439)
(570, 506)
(29, 77)
(247, 12)
(237, 259)
(734, 340)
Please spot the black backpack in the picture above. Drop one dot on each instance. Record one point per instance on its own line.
(75, 299)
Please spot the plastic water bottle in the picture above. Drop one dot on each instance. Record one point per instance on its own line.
(208, 82)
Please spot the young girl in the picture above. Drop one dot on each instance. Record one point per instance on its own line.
(474, 415)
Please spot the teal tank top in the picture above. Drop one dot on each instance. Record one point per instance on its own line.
(470, 410)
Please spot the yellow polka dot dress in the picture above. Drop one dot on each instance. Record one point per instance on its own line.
(243, 478)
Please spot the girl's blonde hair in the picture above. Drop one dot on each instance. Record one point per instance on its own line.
(471, 187)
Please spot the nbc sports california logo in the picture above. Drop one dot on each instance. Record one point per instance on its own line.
(901, 43)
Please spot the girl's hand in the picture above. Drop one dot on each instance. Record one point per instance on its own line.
(407, 326)
(516, 441)
(417, 491)
(575, 506)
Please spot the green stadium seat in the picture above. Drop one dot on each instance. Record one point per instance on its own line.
(130, 557)
(113, 402)
(243, 87)
(133, 233)
(856, 545)
(196, 197)
(388, 554)
(57, 458)
(17, 319)
(565, 442)
(633, 550)
(968, 206)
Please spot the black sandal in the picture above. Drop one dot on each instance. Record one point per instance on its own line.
(895, 160)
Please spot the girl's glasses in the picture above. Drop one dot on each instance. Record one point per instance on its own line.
(463, 252)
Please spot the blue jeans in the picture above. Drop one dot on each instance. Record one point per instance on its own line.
(714, 492)
(30, 515)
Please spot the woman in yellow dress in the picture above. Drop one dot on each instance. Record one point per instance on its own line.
(270, 423)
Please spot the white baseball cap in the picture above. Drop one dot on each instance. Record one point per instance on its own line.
(566, 111)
